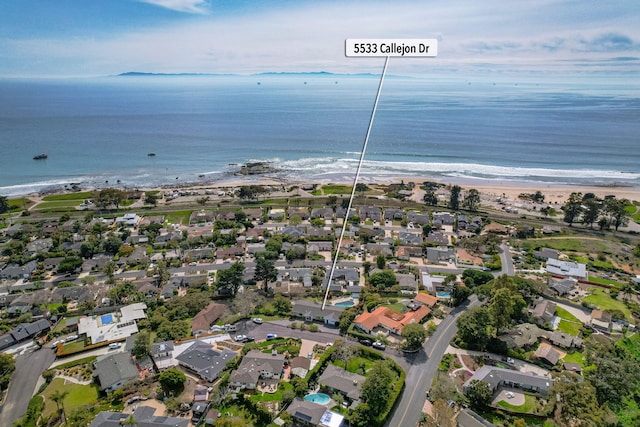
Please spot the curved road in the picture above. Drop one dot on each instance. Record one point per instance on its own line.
(424, 366)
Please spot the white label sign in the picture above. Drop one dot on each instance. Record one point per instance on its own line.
(412, 48)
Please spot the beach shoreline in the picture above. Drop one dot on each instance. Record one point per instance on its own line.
(510, 189)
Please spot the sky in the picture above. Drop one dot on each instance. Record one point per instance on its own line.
(561, 38)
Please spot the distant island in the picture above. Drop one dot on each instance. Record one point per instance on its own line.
(266, 73)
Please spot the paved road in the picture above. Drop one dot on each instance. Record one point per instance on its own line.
(424, 366)
(505, 259)
(29, 367)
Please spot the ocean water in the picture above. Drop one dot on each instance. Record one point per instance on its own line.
(98, 132)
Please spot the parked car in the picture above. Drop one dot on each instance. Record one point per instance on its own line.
(240, 338)
(366, 342)
(249, 338)
(230, 328)
(378, 345)
(257, 320)
(271, 336)
(115, 345)
(70, 338)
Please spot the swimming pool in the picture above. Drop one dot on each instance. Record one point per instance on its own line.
(319, 398)
(347, 303)
(443, 294)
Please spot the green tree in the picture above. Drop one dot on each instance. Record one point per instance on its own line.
(282, 305)
(151, 199)
(479, 394)
(376, 389)
(142, 344)
(172, 381)
(430, 198)
(471, 200)
(615, 209)
(4, 204)
(70, 264)
(360, 416)
(592, 211)
(474, 328)
(58, 397)
(265, 272)
(572, 401)
(346, 318)
(110, 196)
(501, 308)
(414, 335)
(384, 279)
(454, 197)
(79, 417)
(231, 278)
(7, 367)
(572, 208)
(381, 261)
(300, 386)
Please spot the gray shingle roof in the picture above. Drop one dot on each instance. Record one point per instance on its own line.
(115, 368)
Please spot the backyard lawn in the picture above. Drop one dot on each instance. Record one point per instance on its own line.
(526, 408)
(569, 323)
(603, 301)
(575, 357)
(78, 396)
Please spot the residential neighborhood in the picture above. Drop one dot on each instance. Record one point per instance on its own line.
(219, 311)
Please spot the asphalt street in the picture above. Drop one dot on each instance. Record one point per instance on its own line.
(424, 366)
(29, 367)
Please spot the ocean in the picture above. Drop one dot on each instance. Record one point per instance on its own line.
(99, 132)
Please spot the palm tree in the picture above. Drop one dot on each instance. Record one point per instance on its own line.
(58, 397)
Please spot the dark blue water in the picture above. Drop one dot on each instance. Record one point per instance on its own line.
(101, 130)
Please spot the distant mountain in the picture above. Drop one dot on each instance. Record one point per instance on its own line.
(266, 74)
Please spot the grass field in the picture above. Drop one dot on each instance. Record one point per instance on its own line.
(272, 397)
(177, 217)
(332, 189)
(571, 244)
(603, 301)
(575, 357)
(78, 396)
(69, 196)
(606, 282)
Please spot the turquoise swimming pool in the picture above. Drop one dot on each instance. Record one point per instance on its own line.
(319, 398)
(348, 303)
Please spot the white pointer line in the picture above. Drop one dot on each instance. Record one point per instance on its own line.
(355, 182)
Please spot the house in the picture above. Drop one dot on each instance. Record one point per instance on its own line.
(114, 371)
(393, 214)
(426, 299)
(24, 331)
(129, 219)
(410, 239)
(547, 353)
(496, 228)
(405, 253)
(336, 379)
(573, 367)
(15, 271)
(39, 245)
(232, 252)
(443, 218)
(142, 416)
(200, 217)
(546, 253)
(295, 275)
(384, 320)
(300, 366)
(559, 268)
(432, 284)
(162, 354)
(206, 362)
(564, 340)
(276, 214)
(407, 282)
(601, 320)
(440, 253)
(374, 213)
(438, 238)
(206, 317)
(543, 310)
(254, 366)
(302, 213)
(311, 311)
(561, 287)
(417, 217)
(324, 213)
(309, 414)
(500, 377)
(114, 326)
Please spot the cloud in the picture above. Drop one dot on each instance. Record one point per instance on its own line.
(186, 6)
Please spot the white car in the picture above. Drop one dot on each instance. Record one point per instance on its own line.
(240, 338)
(115, 345)
(257, 320)
(509, 394)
